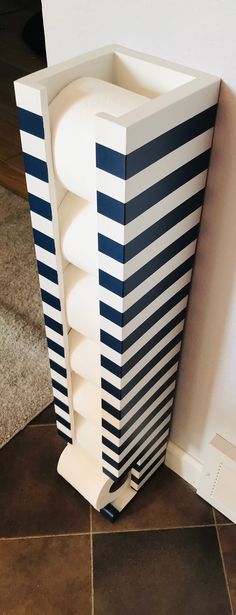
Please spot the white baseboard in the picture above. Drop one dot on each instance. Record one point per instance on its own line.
(183, 464)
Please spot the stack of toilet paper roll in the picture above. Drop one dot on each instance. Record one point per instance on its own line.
(72, 116)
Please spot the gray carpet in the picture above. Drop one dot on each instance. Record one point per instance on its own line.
(25, 387)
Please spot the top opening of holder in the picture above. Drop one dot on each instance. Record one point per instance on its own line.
(142, 74)
(146, 78)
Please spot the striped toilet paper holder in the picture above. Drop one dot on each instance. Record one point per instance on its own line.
(151, 172)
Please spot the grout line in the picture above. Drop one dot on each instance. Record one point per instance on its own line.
(91, 560)
(223, 563)
(118, 531)
(154, 529)
(33, 537)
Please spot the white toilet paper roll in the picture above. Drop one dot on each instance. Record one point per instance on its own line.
(84, 473)
(82, 302)
(86, 399)
(78, 228)
(85, 357)
(89, 436)
(72, 116)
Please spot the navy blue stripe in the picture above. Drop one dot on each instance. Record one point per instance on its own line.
(112, 476)
(56, 347)
(111, 161)
(110, 512)
(149, 469)
(111, 314)
(47, 272)
(44, 241)
(122, 346)
(64, 436)
(113, 284)
(120, 414)
(141, 466)
(61, 405)
(118, 433)
(53, 324)
(126, 212)
(111, 410)
(124, 253)
(122, 289)
(120, 449)
(111, 208)
(110, 388)
(128, 407)
(111, 248)
(136, 448)
(121, 371)
(50, 299)
(39, 206)
(160, 259)
(166, 186)
(156, 438)
(31, 122)
(62, 421)
(121, 393)
(119, 465)
(59, 369)
(36, 167)
(122, 319)
(59, 387)
(125, 166)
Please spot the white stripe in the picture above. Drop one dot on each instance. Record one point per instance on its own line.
(141, 383)
(33, 145)
(49, 286)
(120, 440)
(124, 303)
(137, 487)
(125, 190)
(122, 272)
(114, 230)
(133, 457)
(42, 224)
(154, 434)
(148, 453)
(60, 396)
(46, 257)
(119, 423)
(62, 413)
(166, 165)
(54, 356)
(150, 462)
(52, 313)
(125, 233)
(136, 369)
(119, 457)
(64, 429)
(59, 378)
(37, 187)
(122, 359)
(121, 333)
(54, 336)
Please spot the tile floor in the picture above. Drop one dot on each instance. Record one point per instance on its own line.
(168, 554)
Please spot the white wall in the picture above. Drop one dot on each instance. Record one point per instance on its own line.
(201, 35)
